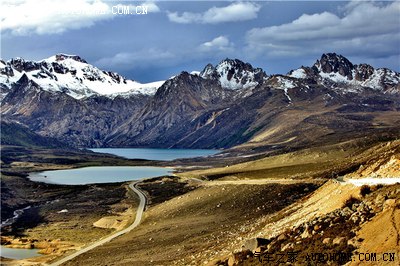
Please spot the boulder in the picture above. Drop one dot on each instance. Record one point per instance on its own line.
(390, 203)
(339, 240)
(253, 243)
(327, 241)
(306, 234)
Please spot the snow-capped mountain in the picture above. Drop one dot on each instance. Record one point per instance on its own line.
(72, 75)
(234, 74)
(333, 70)
(222, 106)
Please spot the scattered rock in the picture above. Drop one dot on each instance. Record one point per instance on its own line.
(317, 227)
(339, 241)
(282, 237)
(253, 243)
(327, 241)
(353, 242)
(390, 203)
(287, 246)
(306, 234)
(380, 199)
(232, 260)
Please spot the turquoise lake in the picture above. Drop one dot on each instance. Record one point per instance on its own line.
(98, 174)
(112, 174)
(156, 154)
(18, 253)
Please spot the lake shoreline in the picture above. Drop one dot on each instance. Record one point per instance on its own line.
(98, 175)
(51, 201)
(157, 154)
(63, 211)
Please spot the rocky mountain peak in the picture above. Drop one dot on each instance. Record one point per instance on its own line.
(20, 64)
(180, 82)
(61, 57)
(234, 74)
(23, 80)
(208, 72)
(363, 72)
(333, 63)
(234, 63)
(23, 86)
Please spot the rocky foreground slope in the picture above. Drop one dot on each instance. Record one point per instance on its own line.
(66, 98)
(337, 224)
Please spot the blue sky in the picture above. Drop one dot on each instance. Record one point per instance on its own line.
(186, 35)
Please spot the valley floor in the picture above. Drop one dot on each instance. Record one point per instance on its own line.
(229, 215)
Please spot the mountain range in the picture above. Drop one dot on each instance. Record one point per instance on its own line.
(233, 103)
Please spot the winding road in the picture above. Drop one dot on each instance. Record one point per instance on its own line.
(142, 205)
(138, 218)
(368, 181)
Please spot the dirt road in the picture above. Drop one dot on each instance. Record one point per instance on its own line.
(138, 218)
(368, 181)
(256, 181)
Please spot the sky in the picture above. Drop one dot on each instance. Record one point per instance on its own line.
(176, 36)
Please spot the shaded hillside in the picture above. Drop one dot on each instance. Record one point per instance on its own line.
(19, 135)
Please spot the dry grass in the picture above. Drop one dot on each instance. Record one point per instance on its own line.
(196, 226)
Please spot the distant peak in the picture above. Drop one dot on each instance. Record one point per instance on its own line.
(229, 60)
(24, 79)
(61, 57)
(334, 63)
(208, 72)
(234, 74)
(234, 62)
(334, 57)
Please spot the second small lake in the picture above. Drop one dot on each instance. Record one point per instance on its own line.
(18, 253)
(98, 174)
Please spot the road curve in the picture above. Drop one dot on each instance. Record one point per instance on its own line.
(138, 218)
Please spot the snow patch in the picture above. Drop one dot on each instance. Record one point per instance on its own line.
(235, 81)
(335, 77)
(298, 73)
(375, 81)
(285, 84)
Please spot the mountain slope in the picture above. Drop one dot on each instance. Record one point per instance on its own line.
(72, 75)
(18, 135)
(168, 115)
(83, 122)
(222, 106)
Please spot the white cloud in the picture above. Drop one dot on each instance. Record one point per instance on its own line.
(151, 7)
(140, 58)
(50, 16)
(365, 28)
(220, 43)
(24, 17)
(234, 12)
(185, 18)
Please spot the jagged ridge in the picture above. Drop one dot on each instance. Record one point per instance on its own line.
(222, 106)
